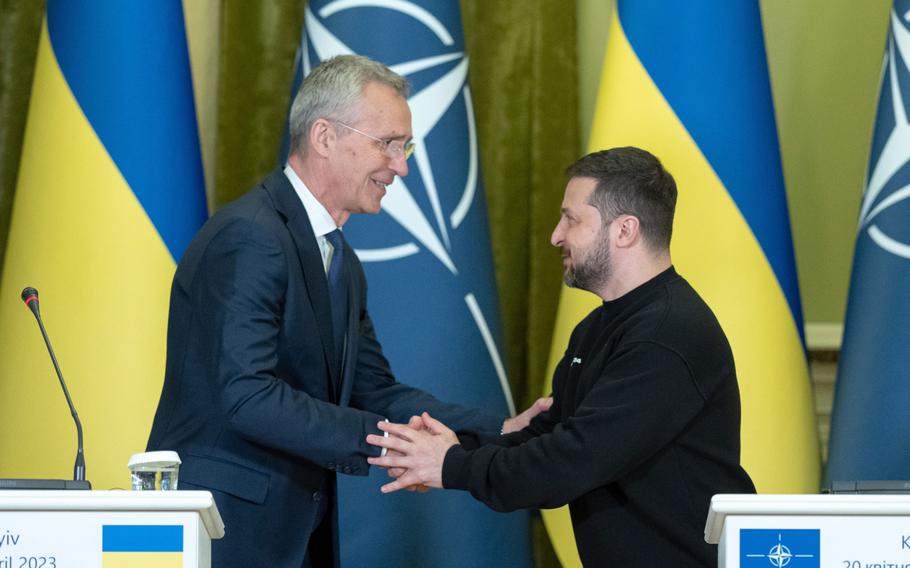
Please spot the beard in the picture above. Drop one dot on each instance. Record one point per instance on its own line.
(592, 269)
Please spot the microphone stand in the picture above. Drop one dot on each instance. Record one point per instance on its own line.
(30, 295)
(79, 466)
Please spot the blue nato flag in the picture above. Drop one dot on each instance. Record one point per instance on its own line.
(432, 289)
(870, 421)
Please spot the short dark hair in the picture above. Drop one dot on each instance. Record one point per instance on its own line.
(631, 181)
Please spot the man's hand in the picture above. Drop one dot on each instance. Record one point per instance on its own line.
(415, 423)
(419, 452)
(521, 421)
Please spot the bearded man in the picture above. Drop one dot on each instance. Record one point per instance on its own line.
(645, 423)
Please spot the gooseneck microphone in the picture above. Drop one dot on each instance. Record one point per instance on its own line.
(30, 297)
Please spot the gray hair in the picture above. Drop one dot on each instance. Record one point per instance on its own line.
(333, 89)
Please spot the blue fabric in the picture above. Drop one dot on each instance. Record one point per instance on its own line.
(128, 69)
(420, 302)
(708, 60)
(870, 416)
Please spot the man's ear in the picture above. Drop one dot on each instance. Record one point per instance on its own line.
(321, 136)
(628, 230)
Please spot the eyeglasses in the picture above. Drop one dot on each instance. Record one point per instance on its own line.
(391, 148)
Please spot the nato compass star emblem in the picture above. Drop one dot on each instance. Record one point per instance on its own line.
(778, 554)
(428, 226)
(888, 181)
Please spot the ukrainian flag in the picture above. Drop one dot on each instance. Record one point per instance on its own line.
(689, 82)
(141, 546)
(110, 192)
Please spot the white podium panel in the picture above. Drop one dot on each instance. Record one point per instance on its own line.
(810, 531)
(109, 529)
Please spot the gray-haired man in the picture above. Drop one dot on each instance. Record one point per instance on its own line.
(274, 375)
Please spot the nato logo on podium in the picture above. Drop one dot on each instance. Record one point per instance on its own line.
(793, 548)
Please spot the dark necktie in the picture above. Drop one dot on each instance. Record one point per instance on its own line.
(337, 291)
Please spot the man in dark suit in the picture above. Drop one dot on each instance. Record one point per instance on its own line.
(274, 375)
(645, 422)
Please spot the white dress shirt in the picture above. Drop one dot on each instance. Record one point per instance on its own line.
(318, 215)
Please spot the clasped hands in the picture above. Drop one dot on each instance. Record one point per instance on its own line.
(417, 450)
(415, 454)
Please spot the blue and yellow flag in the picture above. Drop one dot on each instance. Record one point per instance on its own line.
(870, 416)
(110, 192)
(432, 289)
(141, 546)
(690, 84)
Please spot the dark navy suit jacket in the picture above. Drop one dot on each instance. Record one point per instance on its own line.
(254, 400)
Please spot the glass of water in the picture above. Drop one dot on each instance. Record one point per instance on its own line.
(154, 471)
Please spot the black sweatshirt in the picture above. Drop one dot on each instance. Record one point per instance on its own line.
(644, 429)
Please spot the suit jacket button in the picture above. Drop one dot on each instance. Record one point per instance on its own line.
(316, 496)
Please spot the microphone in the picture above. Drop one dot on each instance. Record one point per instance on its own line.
(30, 297)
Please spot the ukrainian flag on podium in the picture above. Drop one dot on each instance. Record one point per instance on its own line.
(689, 82)
(142, 546)
(110, 192)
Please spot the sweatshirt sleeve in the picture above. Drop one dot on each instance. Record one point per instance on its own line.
(635, 405)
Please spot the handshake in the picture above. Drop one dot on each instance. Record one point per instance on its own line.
(415, 451)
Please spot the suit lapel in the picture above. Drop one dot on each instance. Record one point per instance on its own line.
(288, 204)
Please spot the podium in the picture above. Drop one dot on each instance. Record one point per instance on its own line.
(109, 529)
(803, 531)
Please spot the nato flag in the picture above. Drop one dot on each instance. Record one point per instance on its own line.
(432, 289)
(870, 419)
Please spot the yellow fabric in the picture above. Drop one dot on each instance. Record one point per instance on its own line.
(716, 251)
(80, 237)
(203, 37)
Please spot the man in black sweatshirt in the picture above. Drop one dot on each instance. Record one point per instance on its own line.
(645, 422)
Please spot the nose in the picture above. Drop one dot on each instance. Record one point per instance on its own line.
(556, 238)
(399, 165)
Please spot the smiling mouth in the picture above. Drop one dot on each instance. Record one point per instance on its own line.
(380, 184)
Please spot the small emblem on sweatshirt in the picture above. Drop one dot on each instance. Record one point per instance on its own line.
(575, 361)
